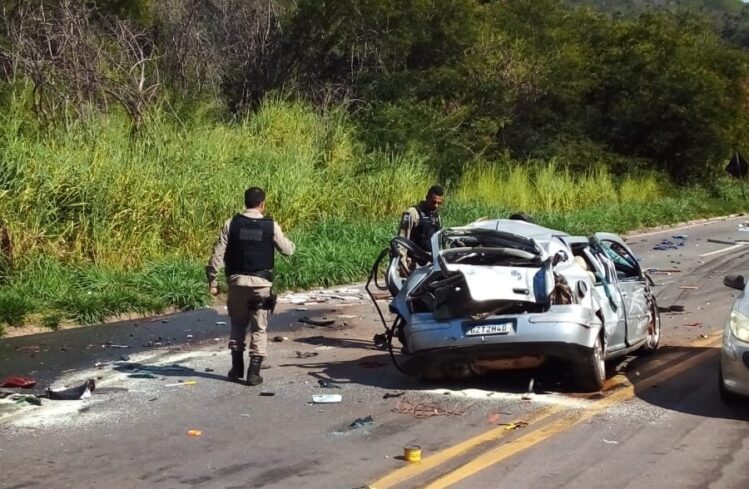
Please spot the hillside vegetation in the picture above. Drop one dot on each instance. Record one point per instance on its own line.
(129, 129)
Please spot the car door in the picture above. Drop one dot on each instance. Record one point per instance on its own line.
(613, 308)
(632, 284)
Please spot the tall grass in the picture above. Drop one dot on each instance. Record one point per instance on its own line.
(102, 225)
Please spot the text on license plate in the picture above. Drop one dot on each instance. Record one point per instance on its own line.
(484, 329)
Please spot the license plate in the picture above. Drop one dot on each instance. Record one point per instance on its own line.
(487, 329)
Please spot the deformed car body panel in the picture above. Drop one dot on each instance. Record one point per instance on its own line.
(510, 294)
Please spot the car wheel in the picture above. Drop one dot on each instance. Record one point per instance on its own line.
(654, 331)
(726, 396)
(590, 373)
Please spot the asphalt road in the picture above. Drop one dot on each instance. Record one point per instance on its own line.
(659, 422)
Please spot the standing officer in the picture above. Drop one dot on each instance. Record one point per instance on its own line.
(246, 249)
(421, 221)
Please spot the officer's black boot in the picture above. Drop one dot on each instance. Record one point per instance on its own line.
(253, 372)
(237, 360)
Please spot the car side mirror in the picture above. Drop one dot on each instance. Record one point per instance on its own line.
(735, 281)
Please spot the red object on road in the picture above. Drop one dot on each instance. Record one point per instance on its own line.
(18, 381)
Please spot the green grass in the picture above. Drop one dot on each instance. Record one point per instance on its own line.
(103, 226)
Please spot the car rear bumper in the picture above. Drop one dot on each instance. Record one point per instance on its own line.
(734, 363)
(566, 332)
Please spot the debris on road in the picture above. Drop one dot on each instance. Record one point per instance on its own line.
(34, 400)
(362, 423)
(186, 382)
(695, 324)
(688, 287)
(663, 270)
(220, 323)
(721, 241)
(316, 322)
(306, 354)
(380, 341)
(159, 369)
(267, 394)
(194, 433)
(83, 391)
(514, 426)
(279, 339)
(423, 410)
(19, 382)
(326, 398)
(412, 453)
(610, 442)
(389, 395)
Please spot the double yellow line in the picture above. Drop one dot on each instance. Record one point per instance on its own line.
(546, 431)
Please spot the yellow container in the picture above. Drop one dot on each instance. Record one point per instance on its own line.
(412, 453)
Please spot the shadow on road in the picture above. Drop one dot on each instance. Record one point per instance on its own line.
(377, 370)
(693, 391)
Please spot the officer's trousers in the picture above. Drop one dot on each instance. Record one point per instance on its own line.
(244, 305)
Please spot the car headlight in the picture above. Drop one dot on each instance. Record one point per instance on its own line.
(739, 326)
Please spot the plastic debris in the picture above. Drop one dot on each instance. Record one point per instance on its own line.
(610, 442)
(514, 426)
(83, 391)
(34, 400)
(306, 354)
(688, 287)
(194, 433)
(267, 394)
(220, 323)
(327, 398)
(362, 423)
(18, 381)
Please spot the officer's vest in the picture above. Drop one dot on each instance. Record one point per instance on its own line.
(429, 223)
(250, 250)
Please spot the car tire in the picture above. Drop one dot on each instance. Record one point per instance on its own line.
(726, 396)
(590, 373)
(654, 332)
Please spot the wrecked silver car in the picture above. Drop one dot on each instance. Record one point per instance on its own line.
(505, 294)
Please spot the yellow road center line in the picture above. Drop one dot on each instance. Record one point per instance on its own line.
(409, 471)
(524, 442)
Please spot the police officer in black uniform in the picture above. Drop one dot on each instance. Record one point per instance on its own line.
(246, 249)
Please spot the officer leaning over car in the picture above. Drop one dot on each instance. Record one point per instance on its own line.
(420, 222)
(246, 250)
